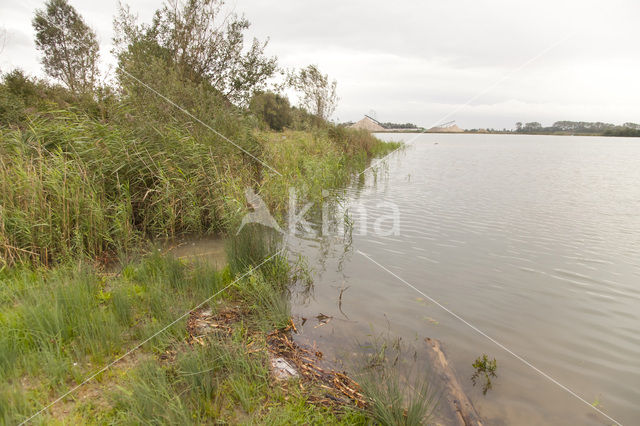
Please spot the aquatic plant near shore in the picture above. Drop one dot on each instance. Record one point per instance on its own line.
(485, 369)
(398, 393)
(392, 402)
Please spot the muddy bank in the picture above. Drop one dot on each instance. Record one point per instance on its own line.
(427, 358)
(325, 386)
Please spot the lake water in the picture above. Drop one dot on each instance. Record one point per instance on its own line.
(207, 250)
(535, 240)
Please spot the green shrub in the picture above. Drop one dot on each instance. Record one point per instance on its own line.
(273, 109)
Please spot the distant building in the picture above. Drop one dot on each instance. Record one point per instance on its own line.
(369, 124)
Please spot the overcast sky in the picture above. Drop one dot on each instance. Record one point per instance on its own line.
(422, 61)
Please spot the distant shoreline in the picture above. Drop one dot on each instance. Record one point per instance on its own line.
(473, 132)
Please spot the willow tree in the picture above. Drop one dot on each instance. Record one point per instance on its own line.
(206, 44)
(318, 93)
(69, 46)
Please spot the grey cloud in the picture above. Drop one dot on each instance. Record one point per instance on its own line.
(418, 60)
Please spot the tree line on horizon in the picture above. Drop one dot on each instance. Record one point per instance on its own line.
(388, 125)
(580, 127)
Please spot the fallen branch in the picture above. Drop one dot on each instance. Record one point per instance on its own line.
(452, 393)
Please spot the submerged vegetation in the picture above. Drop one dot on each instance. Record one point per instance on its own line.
(91, 312)
(485, 370)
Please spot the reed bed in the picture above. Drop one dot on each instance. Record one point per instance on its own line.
(72, 186)
(78, 192)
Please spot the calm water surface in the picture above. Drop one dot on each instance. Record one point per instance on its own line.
(533, 239)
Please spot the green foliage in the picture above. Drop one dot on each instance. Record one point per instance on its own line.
(11, 107)
(297, 410)
(97, 189)
(22, 87)
(90, 172)
(313, 161)
(150, 398)
(217, 382)
(15, 405)
(189, 36)
(581, 127)
(74, 313)
(62, 324)
(318, 93)
(391, 403)
(194, 389)
(398, 391)
(144, 73)
(269, 304)
(625, 131)
(485, 370)
(22, 97)
(265, 291)
(251, 247)
(59, 326)
(390, 125)
(69, 46)
(273, 109)
(99, 174)
(532, 127)
(356, 142)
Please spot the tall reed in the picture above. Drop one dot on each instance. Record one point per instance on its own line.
(72, 186)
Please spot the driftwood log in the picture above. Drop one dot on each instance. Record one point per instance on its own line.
(464, 412)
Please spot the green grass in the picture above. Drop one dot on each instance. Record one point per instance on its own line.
(59, 326)
(80, 191)
(88, 185)
(217, 382)
(398, 390)
(394, 401)
(311, 162)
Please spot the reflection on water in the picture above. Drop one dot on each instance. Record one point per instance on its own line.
(533, 239)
